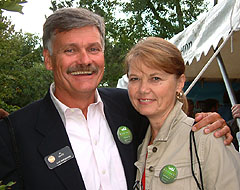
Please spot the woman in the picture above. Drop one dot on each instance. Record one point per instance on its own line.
(155, 70)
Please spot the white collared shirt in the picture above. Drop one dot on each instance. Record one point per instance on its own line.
(93, 145)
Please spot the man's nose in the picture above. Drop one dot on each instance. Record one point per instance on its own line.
(83, 57)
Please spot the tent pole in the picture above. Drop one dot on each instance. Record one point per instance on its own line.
(228, 86)
(229, 89)
(225, 75)
(226, 80)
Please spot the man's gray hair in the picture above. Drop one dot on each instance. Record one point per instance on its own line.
(66, 19)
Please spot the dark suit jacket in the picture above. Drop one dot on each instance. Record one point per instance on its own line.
(39, 132)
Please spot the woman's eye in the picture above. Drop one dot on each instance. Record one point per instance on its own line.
(133, 79)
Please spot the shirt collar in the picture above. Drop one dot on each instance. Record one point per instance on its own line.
(62, 107)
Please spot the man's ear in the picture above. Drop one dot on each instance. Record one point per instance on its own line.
(181, 82)
(47, 59)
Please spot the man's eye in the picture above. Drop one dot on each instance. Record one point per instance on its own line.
(68, 50)
(155, 78)
(94, 49)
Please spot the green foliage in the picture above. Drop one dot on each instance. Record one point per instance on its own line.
(141, 18)
(8, 186)
(163, 18)
(23, 77)
(11, 5)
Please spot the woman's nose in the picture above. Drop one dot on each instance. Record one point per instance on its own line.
(144, 87)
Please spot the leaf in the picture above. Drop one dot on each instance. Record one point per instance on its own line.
(3, 187)
(14, 7)
(11, 183)
(11, 5)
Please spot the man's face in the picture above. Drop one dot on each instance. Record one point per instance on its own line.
(77, 62)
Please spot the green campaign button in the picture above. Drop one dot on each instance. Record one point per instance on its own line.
(124, 135)
(168, 174)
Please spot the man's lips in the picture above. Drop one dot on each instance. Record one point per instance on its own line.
(82, 70)
(75, 73)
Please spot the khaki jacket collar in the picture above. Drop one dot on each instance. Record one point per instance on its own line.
(169, 123)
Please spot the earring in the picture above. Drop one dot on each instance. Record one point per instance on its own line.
(179, 95)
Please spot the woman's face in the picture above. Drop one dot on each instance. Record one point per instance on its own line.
(151, 91)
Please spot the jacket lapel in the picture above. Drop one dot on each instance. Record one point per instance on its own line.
(127, 152)
(55, 138)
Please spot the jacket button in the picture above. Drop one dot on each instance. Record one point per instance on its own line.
(154, 149)
(151, 168)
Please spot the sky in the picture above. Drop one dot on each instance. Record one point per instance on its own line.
(34, 15)
(33, 18)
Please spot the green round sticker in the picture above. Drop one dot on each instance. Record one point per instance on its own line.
(168, 174)
(124, 135)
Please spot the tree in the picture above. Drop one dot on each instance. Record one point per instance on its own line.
(23, 77)
(141, 18)
(163, 18)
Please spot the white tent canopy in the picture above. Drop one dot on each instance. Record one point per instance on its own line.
(219, 30)
(218, 27)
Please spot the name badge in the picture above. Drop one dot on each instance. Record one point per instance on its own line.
(168, 174)
(124, 135)
(59, 157)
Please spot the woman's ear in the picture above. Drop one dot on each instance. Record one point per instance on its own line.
(47, 59)
(181, 82)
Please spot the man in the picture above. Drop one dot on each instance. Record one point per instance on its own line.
(78, 136)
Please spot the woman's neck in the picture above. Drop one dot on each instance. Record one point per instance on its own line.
(156, 123)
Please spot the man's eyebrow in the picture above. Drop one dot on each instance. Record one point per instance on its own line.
(95, 44)
(69, 45)
(66, 46)
(76, 45)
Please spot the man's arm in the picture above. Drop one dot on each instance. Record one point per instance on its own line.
(214, 122)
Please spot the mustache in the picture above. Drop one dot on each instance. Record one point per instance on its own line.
(82, 68)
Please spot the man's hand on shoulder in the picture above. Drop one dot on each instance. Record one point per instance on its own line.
(213, 121)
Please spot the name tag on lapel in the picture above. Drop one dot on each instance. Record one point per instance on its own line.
(59, 157)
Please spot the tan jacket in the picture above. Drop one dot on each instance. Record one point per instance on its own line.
(220, 164)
